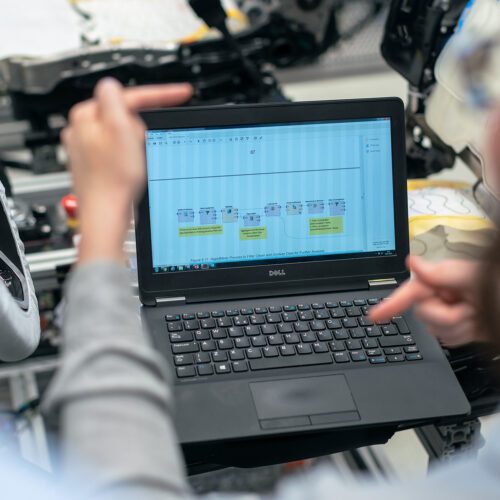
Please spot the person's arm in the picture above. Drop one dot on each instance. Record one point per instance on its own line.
(112, 392)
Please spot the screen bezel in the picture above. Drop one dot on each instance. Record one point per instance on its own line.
(152, 285)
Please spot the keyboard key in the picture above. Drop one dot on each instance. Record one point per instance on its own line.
(285, 328)
(414, 356)
(301, 327)
(341, 334)
(217, 314)
(377, 360)
(341, 357)
(273, 318)
(172, 317)
(318, 305)
(225, 344)
(353, 345)
(202, 357)
(257, 319)
(396, 341)
(357, 333)
(306, 316)
(309, 337)
(392, 350)
(235, 331)
(185, 348)
(286, 350)
(253, 353)
(322, 314)
(333, 324)
(208, 345)
(270, 352)
(411, 348)
(275, 309)
(289, 317)
(247, 311)
(240, 320)
(219, 356)
(365, 321)
(369, 343)
(240, 366)
(337, 345)
(259, 341)
(373, 331)
(202, 335)
(207, 323)
(205, 370)
(303, 307)
(181, 337)
(222, 368)
(242, 342)
(268, 329)
(320, 347)
(289, 308)
(317, 325)
(224, 322)
(337, 313)
(304, 349)
(359, 302)
(389, 330)
(203, 315)
(174, 327)
(325, 335)
(183, 359)
(275, 340)
(236, 355)
(260, 310)
(374, 352)
(374, 301)
(232, 312)
(358, 356)
(332, 305)
(188, 316)
(395, 358)
(251, 330)
(186, 371)
(353, 312)
(218, 333)
(349, 322)
(291, 338)
(345, 303)
(290, 361)
(400, 322)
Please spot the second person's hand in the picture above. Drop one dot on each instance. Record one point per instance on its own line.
(444, 295)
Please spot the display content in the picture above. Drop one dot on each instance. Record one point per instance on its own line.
(250, 195)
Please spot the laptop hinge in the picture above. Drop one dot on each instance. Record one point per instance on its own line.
(171, 301)
(382, 283)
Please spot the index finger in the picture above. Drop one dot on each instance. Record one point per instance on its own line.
(411, 292)
(155, 96)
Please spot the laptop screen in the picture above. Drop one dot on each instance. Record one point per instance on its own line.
(251, 195)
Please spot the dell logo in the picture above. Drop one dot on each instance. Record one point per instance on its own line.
(277, 272)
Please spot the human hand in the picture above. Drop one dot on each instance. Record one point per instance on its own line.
(445, 298)
(105, 143)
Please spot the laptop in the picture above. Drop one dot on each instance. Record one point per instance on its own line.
(265, 235)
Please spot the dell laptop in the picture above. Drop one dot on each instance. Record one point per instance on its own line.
(265, 235)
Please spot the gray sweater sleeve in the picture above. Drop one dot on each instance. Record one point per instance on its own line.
(112, 395)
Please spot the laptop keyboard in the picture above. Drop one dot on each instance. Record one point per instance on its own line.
(266, 338)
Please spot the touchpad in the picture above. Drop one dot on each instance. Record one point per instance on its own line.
(302, 396)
